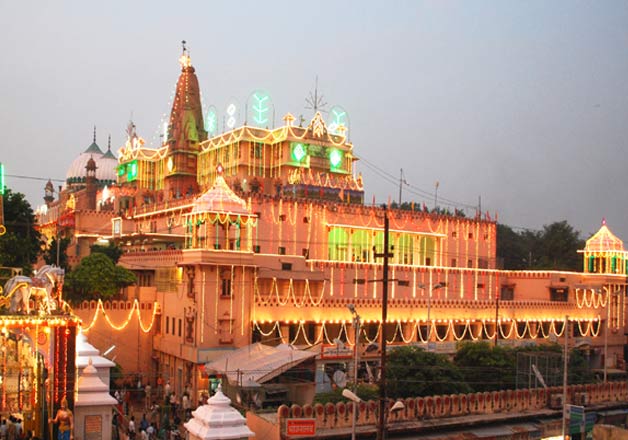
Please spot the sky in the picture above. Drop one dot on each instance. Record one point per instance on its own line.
(519, 107)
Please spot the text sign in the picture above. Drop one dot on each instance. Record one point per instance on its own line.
(336, 352)
(576, 418)
(93, 428)
(301, 427)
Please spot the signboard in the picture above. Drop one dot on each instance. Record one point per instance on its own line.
(301, 427)
(339, 351)
(576, 417)
(93, 428)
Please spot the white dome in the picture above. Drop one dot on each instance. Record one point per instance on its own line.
(105, 165)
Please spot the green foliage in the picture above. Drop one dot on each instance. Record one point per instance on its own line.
(413, 372)
(21, 244)
(364, 392)
(111, 250)
(579, 370)
(555, 247)
(486, 367)
(50, 253)
(96, 277)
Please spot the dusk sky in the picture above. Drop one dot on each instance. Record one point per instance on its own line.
(521, 103)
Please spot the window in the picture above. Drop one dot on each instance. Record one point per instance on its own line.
(559, 294)
(281, 250)
(454, 234)
(225, 287)
(179, 327)
(507, 293)
(167, 324)
(470, 235)
(454, 262)
(286, 266)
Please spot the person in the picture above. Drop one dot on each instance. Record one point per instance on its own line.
(3, 430)
(65, 420)
(143, 422)
(149, 397)
(185, 403)
(114, 427)
(131, 428)
(167, 389)
(143, 434)
(151, 431)
(18, 427)
(11, 430)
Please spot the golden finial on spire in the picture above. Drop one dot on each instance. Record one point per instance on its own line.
(185, 60)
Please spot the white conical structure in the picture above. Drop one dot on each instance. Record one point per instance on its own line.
(93, 405)
(217, 420)
(85, 353)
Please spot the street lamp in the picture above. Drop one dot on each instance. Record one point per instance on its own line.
(397, 406)
(356, 326)
(436, 286)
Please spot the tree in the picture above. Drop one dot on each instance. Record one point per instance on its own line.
(558, 247)
(413, 372)
(555, 247)
(111, 250)
(50, 253)
(486, 367)
(96, 277)
(21, 244)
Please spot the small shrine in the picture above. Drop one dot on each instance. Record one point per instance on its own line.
(86, 353)
(220, 220)
(605, 253)
(217, 419)
(92, 409)
(38, 336)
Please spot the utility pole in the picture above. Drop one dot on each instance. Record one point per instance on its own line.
(402, 182)
(497, 326)
(565, 364)
(381, 425)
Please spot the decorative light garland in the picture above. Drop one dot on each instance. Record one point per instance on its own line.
(415, 331)
(134, 309)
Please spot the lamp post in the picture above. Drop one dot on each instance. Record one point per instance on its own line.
(429, 306)
(356, 326)
(565, 365)
(353, 397)
(608, 315)
(496, 318)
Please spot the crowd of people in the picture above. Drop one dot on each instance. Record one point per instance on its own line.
(162, 413)
(12, 429)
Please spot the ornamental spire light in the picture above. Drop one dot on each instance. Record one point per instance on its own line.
(185, 59)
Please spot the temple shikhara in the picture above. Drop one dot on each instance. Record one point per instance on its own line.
(258, 234)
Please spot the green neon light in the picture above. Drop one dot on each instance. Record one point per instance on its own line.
(1, 178)
(121, 170)
(211, 122)
(260, 108)
(299, 151)
(131, 173)
(335, 158)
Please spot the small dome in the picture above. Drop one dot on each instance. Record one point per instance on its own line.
(220, 198)
(105, 165)
(603, 241)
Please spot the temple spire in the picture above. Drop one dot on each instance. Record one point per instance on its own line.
(185, 59)
(94, 134)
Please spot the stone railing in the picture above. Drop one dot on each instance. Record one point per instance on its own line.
(516, 402)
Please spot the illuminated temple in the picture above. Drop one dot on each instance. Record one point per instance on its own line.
(263, 234)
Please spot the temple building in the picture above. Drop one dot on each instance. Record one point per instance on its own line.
(263, 235)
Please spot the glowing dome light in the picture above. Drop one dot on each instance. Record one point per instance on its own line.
(298, 152)
(335, 158)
